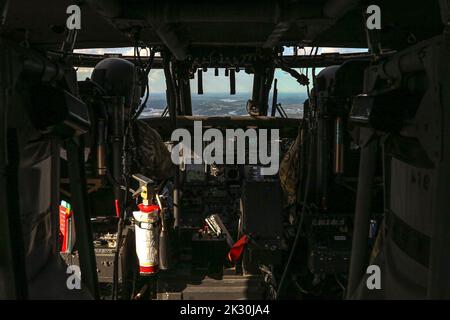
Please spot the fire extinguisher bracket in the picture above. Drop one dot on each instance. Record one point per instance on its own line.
(144, 225)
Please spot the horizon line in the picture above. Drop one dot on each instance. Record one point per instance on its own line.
(227, 93)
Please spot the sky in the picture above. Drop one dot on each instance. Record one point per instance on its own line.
(220, 84)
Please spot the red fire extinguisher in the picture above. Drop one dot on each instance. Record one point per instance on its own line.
(147, 229)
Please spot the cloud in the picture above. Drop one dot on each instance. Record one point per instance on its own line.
(126, 51)
(212, 84)
(342, 50)
(157, 82)
(83, 73)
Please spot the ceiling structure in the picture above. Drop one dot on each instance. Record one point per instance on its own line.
(184, 25)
